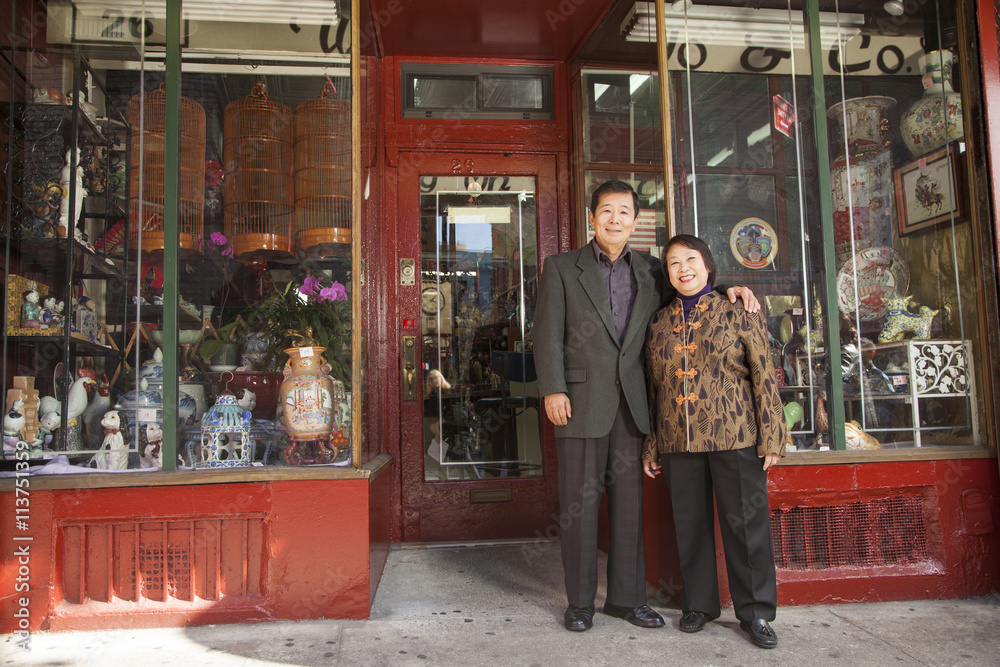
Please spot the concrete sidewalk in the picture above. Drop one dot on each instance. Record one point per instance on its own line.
(484, 606)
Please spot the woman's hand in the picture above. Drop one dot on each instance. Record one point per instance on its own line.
(770, 460)
(750, 302)
(651, 468)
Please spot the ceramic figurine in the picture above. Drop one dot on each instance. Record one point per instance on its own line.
(13, 423)
(247, 400)
(858, 439)
(31, 314)
(76, 402)
(114, 453)
(813, 338)
(88, 109)
(901, 321)
(79, 192)
(47, 424)
(821, 420)
(793, 414)
(47, 96)
(94, 412)
(52, 312)
(150, 446)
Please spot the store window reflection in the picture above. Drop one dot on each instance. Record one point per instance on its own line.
(894, 246)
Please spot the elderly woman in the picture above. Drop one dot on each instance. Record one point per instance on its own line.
(717, 425)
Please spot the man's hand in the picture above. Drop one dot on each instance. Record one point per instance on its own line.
(750, 302)
(651, 468)
(558, 409)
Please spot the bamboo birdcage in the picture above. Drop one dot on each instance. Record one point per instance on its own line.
(257, 151)
(147, 117)
(323, 172)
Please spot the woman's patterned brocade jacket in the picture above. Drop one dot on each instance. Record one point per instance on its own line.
(710, 381)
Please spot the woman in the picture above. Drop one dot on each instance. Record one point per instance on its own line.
(717, 418)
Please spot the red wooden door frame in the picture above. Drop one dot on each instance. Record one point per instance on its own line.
(436, 511)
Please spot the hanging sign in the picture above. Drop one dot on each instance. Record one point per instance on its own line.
(784, 116)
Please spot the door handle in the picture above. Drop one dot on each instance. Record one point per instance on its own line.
(409, 368)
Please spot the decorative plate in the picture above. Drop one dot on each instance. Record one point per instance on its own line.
(753, 243)
(881, 273)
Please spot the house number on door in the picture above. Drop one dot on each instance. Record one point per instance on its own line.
(466, 166)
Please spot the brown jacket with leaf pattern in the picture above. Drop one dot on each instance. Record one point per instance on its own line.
(710, 381)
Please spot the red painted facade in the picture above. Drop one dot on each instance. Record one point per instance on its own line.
(319, 553)
(964, 560)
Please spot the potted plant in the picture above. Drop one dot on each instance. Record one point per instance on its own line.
(223, 353)
(307, 309)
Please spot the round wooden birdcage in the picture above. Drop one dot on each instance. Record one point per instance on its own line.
(257, 151)
(323, 172)
(147, 118)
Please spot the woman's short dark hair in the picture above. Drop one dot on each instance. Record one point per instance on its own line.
(694, 243)
(613, 186)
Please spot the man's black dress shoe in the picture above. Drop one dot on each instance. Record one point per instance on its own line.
(760, 633)
(693, 621)
(578, 619)
(643, 616)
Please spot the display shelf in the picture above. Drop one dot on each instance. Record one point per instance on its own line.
(933, 390)
(63, 198)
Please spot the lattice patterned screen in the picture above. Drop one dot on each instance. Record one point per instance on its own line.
(182, 559)
(884, 531)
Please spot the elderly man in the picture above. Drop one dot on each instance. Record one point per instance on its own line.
(590, 324)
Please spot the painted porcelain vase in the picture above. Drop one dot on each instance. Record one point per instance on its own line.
(308, 396)
(861, 177)
(936, 118)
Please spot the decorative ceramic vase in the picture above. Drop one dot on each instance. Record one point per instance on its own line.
(307, 395)
(225, 436)
(936, 118)
(861, 179)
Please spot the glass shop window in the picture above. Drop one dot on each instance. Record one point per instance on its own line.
(263, 209)
(884, 259)
(623, 140)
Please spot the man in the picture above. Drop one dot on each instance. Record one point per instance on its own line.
(590, 326)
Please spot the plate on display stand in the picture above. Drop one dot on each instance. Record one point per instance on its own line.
(881, 273)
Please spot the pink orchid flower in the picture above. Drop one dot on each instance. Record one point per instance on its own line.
(310, 285)
(335, 292)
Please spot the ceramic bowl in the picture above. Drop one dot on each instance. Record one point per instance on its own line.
(184, 336)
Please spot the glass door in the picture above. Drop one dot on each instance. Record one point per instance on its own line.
(474, 433)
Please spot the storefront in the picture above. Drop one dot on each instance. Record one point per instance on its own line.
(271, 272)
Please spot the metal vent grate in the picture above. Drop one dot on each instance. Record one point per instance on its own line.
(182, 558)
(883, 531)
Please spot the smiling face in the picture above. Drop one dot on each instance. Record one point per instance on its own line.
(613, 221)
(687, 270)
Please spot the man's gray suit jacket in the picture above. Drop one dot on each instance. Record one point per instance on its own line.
(576, 346)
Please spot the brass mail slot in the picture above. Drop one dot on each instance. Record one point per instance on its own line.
(489, 496)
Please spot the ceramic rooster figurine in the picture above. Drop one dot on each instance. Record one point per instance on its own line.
(114, 453)
(92, 415)
(76, 403)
